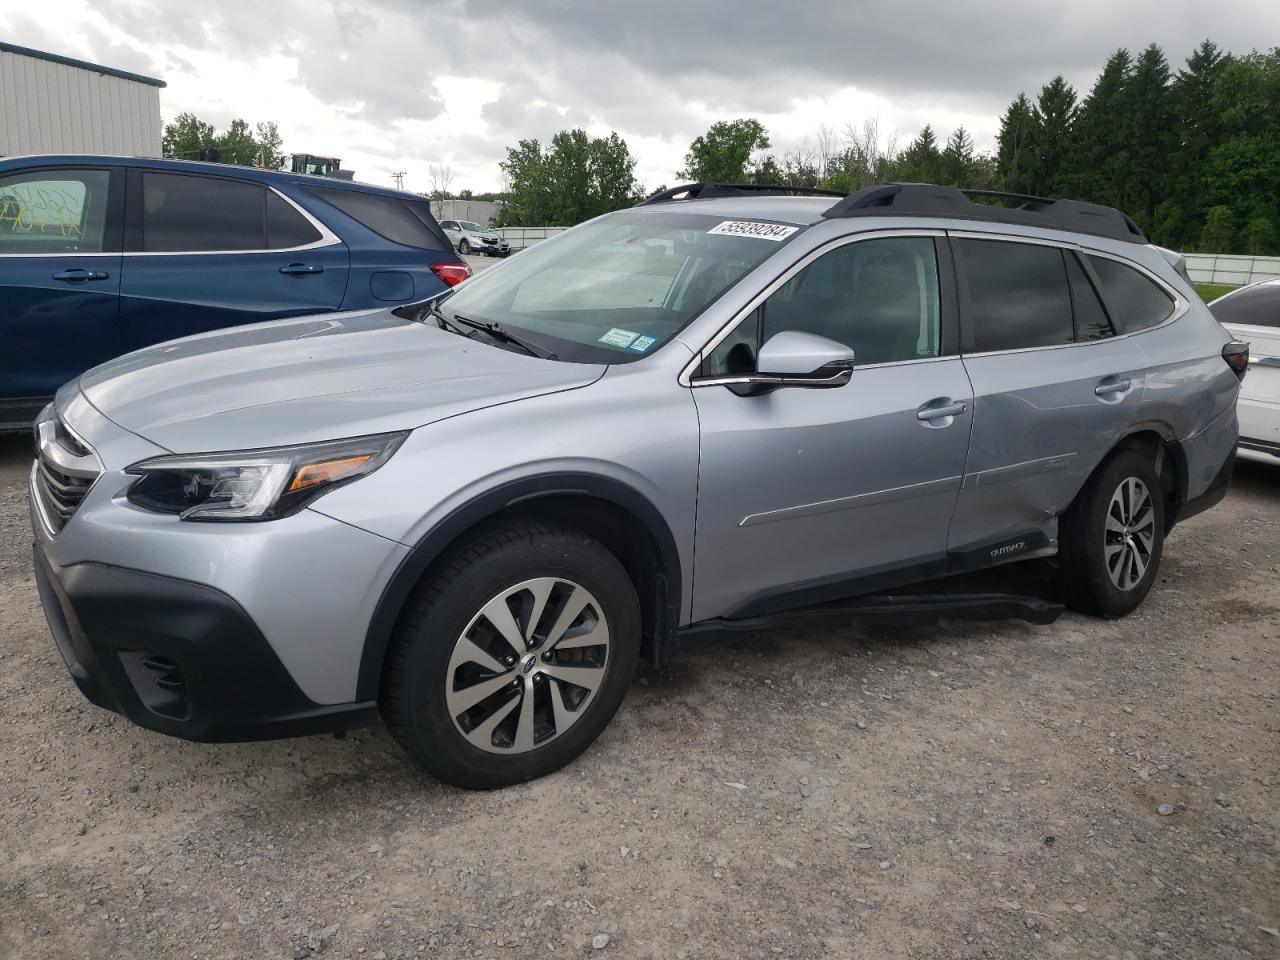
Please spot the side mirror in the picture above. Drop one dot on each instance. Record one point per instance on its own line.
(795, 359)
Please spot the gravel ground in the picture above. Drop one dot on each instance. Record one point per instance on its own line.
(1084, 789)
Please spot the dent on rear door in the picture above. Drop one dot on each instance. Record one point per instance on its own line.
(1040, 428)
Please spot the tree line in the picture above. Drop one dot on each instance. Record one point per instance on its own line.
(187, 137)
(1193, 155)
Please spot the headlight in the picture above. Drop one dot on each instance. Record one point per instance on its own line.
(255, 484)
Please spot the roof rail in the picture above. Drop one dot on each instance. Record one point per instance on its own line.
(706, 190)
(931, 200)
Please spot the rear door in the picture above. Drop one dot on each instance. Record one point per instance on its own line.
(204, 252)
(59, 279)
(1253, 315)
(1054, 389)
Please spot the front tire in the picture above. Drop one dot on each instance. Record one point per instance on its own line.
(464, 247)
(1113, 537)
(512, 657)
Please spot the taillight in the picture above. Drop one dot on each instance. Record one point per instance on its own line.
(1237, 356)
(451, 273)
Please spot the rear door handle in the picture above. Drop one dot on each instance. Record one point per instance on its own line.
(940, 409)
(1112, 386)
(79, 275)
(302, 269)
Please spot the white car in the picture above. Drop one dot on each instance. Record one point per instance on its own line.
(469, 237)
(1252, 314)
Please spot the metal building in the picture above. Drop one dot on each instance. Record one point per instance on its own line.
(54, 104)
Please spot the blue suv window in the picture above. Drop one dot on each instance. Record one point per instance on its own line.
(184, 213)
(54, 211)
(391, 218)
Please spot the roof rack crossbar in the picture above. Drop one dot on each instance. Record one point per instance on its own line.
(706, 190)
(932, 200)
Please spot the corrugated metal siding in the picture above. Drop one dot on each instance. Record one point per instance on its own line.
(54, 108)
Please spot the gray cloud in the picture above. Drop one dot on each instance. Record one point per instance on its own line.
(656, 70)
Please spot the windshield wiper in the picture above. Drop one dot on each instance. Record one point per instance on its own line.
(444, 323)
(498, 332)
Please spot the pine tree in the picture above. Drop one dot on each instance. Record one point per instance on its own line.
(957, 161)
(1099, 163)
(921, 162)
(1150, 122)
(1054, 116)
(1015, 146)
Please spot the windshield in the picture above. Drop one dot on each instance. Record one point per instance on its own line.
(615, 289)
(468, 225)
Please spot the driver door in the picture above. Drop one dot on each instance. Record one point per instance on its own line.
(805, 494)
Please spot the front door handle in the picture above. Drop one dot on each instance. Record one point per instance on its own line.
(302, 269)
(941, 409)
(79, 275)
(1112, 388)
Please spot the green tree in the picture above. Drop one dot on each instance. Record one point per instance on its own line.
(1150, 116)
(1014, 161)
(1219, 231)
(186, 136)
(921, 162)
(724, 153)
(270, 146)
(957, 163)
(1053, 117)
(573, 179)
(1099, 163)
(1196, 129)
(237, 145)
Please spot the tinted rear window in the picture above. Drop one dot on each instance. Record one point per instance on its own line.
(286, 227)
(181, 212)
(1134, 301)
(1091, 318)
(1018, 295)
(389, 217)
(1256, 306)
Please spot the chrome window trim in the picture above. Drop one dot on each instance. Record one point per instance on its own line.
(685, 379)
(327, 239)
(1180, 304)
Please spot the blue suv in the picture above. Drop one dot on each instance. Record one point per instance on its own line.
(103, 255)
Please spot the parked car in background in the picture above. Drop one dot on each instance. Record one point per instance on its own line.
(475, 514)
(103, 255)
(1252, 314)
(469, 237)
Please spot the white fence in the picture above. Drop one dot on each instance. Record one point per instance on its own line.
(1223, 268)
(521, 237)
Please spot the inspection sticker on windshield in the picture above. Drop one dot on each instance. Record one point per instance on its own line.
(618, 337)
(749, 228)
(641, 344)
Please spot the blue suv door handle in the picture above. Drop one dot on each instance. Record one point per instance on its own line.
(302, 269)
(78, 275)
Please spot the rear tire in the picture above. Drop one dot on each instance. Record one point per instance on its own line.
(1112, 537)
(512, 657)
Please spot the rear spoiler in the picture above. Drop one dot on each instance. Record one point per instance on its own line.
(1176, 260)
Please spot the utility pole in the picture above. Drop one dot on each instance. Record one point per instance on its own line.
(398, 177)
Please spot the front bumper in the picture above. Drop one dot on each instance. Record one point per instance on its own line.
(177, 657)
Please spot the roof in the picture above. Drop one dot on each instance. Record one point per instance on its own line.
(196, 166)
(81, 64)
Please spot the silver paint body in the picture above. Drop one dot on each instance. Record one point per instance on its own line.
(759, 493)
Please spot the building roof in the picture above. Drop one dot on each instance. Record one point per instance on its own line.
(82, 64)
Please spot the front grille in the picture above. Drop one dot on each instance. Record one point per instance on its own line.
(64, 471)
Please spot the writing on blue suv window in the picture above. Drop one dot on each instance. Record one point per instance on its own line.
(615, 289)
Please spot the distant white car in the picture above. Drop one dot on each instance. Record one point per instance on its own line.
(1252, 314)
(469, 237)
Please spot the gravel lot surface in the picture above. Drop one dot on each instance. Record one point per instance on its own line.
(1084, 789)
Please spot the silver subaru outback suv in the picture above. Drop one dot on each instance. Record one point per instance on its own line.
(474, 516)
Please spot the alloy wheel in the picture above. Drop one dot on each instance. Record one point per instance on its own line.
(527, 666)
(1130, 533)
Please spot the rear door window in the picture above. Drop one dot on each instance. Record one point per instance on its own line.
(1257, 306)
(54, 211)
(1133, 300)
(1092, 322)
(182, 213)
(1018, 295)
(286, 227)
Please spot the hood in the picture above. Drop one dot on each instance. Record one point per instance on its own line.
(311, 379)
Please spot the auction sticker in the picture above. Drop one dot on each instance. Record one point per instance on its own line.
(641, 344)
(618, 337)
(750, 228)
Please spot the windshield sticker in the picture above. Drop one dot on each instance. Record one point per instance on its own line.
(641, 344)
(618, 337)
(749, 228)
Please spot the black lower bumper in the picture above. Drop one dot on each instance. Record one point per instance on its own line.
(1213, 495)
(177, 657)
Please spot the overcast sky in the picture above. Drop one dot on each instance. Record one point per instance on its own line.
(400, 84)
